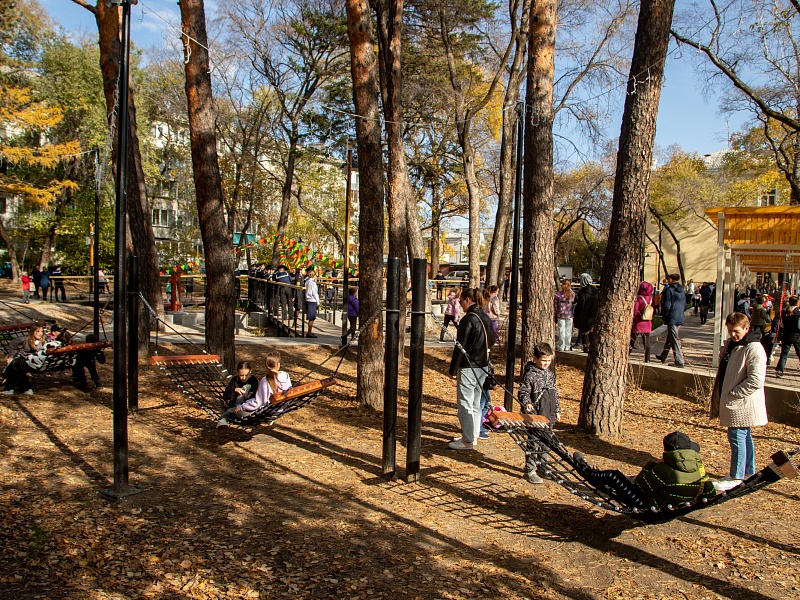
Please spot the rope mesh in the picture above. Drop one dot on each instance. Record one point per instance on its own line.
(202, 378)
(9, 333)
(558, 464)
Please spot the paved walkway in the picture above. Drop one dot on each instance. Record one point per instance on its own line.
(697, 342)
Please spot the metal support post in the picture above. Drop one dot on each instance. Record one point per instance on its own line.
(419, 293)
(96, 244)
(513, 304)
(133, 334)
(121, 487)
(390, 358)
(346, 281)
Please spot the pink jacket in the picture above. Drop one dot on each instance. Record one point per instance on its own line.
(453, 307)
(265, 392)
(644, 297)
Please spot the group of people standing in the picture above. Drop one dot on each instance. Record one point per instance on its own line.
(300, 292)
(738, 399)
(42, 280)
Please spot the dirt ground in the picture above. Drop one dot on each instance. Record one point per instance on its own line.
(299, 510)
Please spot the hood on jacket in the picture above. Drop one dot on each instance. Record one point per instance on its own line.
(678, 287)
(683, 459)
(586, 279)
(645, 289)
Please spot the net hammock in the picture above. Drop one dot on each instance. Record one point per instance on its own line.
(203, 378)
(9, 333)
(534, 436)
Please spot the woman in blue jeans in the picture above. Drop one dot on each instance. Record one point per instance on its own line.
(469, 366)
(738, 396)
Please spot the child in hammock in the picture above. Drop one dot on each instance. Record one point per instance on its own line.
(274, 382)
(678, 478)
(242, 387)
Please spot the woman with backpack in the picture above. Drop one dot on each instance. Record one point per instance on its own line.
(643, 318)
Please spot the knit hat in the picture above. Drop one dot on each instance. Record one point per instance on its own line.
(679, 441)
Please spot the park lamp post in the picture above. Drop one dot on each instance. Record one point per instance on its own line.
(349, 185)
(121, 487)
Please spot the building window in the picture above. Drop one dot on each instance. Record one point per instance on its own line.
(163, 217)
(769, 199)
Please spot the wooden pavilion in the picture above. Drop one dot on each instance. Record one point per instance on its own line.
(753, 239)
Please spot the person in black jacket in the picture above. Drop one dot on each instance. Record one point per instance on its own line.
(89, 362)
(789, 334)
(36, 277)
(242, 387)
(469, 365)
(673, 305)
(283, 293)
(585, 311)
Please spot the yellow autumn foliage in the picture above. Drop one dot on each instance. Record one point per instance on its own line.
(24, 118)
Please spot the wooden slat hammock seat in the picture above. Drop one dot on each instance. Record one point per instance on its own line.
(64, 357)
(9, 333)
(203, 379)
(531, 433)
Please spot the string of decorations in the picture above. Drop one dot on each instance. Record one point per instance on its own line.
(294, 255)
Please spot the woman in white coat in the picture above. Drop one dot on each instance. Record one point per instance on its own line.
(738, 396)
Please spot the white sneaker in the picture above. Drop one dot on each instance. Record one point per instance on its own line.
(726, 483)
(8, 392)
(222, 423)
(28, 392)
(460, 444)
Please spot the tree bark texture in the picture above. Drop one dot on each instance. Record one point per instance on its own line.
(538, 289)
(364, 70)
(140, 225)
(12, 254)
(498, 250)
(220, 301)
(390, 31)
(603, 398)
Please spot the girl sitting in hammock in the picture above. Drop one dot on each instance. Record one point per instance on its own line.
(242, 387)
(15, 374)
(275, 382)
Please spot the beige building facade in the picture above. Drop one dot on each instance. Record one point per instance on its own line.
(698, 248)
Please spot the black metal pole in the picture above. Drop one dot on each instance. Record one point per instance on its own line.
(133, 334)
(346, 281)
(96, 245)
(513, 304)
(121, 488)
(390, 359)
(419, 289)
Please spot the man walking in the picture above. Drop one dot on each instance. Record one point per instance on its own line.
(673, 305)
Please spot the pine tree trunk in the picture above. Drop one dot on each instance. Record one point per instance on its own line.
(12, 254)
(208, 186)
(390, 30)
(603, 397)
(538, 289)
(364, 70)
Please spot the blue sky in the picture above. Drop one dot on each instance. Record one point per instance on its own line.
(686, 117)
